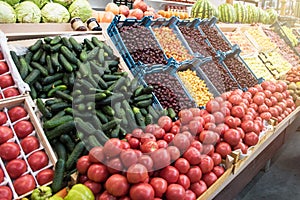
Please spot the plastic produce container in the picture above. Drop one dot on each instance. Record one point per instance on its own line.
(28, 105)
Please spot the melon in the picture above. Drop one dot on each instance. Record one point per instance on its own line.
(273, 15)
(253, 14)
(241, 12)
(263, 16)
(203, 9)
(226, 13)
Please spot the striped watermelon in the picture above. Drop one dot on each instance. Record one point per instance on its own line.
(203, 9)
(241, 12)
(273, 15)
(263, 16)
(253, 14)
(227, 13)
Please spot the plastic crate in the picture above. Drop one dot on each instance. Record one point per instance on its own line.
(171, 23)
(118, 41)
(258, 67)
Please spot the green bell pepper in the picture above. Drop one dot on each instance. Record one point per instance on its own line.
(55, 198)
(41, 193)
(80, 192)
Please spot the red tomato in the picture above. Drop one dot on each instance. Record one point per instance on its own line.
(159, 185)
(209, 118)
(194, 174)
(198, 145)
(10, 92)
(185, 116)
(165, 122)
(247, 126)
(258, 99)
(6, 81)
(29, 144)
(159, 133)
(134, 143)
(235, 99)
(147, 137)
(45, 176)
(259, 88)
(15, 168)
(16, 113)
(266, 116)
(221, 128)
(96, 155)
(224, 149)
(251, 139)
(209, 178)
(230, 121)
(195, 111)
(192, 155)
(125, 145)
(175, 129)
(210, 126)
(170, 174)
(24, 184)
(97, 173)
(237, 121)
(184, 181)
(219, 117)
(208, 149)
(38, 160)
(162, 144)
(198, 188)
(3, 118)
(195, 127)
(206, 164)
(217, 158)
(5, 193)
(117, 185)
(169, 137)
(241, 131)
(263, 108)
(146, 161)
(209, 137)
(175, 191)
(212, 106)
(114, 166)
(225, 111)
(82, 165)
(278, 96)
(237, 91)
(112, 147)
(3, 66)
(106, 196)
(189, 195)
(9, 151)
(174, 153)
(137, 173)
(232, 137)
(129, 157)
(238, 111)
(181, 141)
(141, 191)
(242, 146)
(226, 95)
(82, 178)
(93, 186)
(5, 134)
(290, 103)
(1, 175)
(268, 102)
(23, 128)
(182, 165)
(218, 171)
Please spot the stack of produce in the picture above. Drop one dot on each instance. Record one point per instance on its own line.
(293, 81)
(227, 13)
(203, 9)
(264, 42)
(288, 32)
(258, 68)
(33, 11)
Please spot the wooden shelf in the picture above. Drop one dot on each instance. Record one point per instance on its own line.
(171, 2)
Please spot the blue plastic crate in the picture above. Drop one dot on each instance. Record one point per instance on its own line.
(115, 35)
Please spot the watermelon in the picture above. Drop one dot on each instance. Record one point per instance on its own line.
(241, 12)
(273, 15)
(203, 9)
(226, 13)
(263, 16)
(253, 14)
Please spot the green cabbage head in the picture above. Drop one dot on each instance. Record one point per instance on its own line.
(55, 13)
(12, 2)
(7, 13)
(39, 3)
(65, 3)
(81, 8)
(28, 12)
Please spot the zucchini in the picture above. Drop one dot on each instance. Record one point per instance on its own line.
(43, 109)
(68, 54)
(76, 153)
(23, 68)
(60, 150)
(67, 141)
(52, 123)
(61, 129)
(57, 183)
(42, 69)
(36, 46)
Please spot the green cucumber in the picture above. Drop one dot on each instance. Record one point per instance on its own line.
(24, 68)
(76, 46)
(144, 103)
(57, 183)
(50, 79)
(36, 46)
(67, 43)
(67, 141)
(52, 123)
(108, 110)
(37, 55)
(42, 69)
(43, 109)
(59, 106)
(65, 63)
(55, 40)
(68, 55)
(60, 150)
(61, 129)
(89, 45)
(49, 66)
(97, 42)
(57, 88)
(64, 96)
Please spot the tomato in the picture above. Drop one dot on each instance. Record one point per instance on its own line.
(185, 116)
(230, 121)
(221, 128)
(198, 145)
(137, 133)
(175, 129)
(208, 149)
(162, 144)
(5, 193)
(209, 137)
(278, 96)
(217, 158)
(218, 171)
(182, 165)
(212, 106)
(147, 137)
(134, 143)
(206, 164)
(198, 188)
(149, 146)
(266, 116)
(9, 151)
(251, 139)
(189, 195)
(181, 141)
(209, 118)
(248, 117)
(106, 196)
(192, 155)
(258, 99)
(114, 166)
(290, 103)
(210, 126)
(6, 81)
(1, 175)
(174, 152)
(203, 112)
(125, 145)
(170, 174)
(137, 173)
(97, 173)
(224, 149)
(146, 161)
(238, 111)
(5, 134)
(93, 186)
(96, 155)
(141, 191)
(17, 113)
(268, 102)
(226, 95)
(235, 99)
(237, 121)
(29, 144)
(3, 67)
(24, 184)
(159, 133)
(159, 185)
(82, 164)
(195, 127)
(232, 137)
(241, 131)
(219, 117)
(15, 168)
(195, 111)
(175, 191)
(38, 160)
(273, 100)
(117, 185)
(10, 92)
(169, 137)
(225, 111)
(165, 122)
(242, 146)
(138, 153)
(45, 176)
(128, 157)
(209, 178)
(237, 91)
(3, 118)
(112, 147)
(259, 88)
(194, 174)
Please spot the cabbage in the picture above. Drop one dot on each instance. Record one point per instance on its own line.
(28, 12)
(12, 2)
(56, 13)
(65, 3)
(7, 13)
(39, 3)
(81, 8)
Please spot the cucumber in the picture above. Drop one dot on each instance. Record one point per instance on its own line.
(93, 141)
(16, 60)
(53, 90)
(102, 84)
(28, 57)
(42, 69)
(55, 40)
(148, 90)
(60, 150)
(36, 46)
(97, 68)
(140, 119)
(64, 96)
(83, 56)
(83, 126)
(58, 115)
(65, 63)
(97, 42)
(67, 43)
(108, 77)
(115, 132)
(144, 103)
(42, 108)
(59, 106)
(144, 111)
(143, 97)
(55, 62)
(37, 55)
(92, 54)
(108, 110)
(109, 125)
(148, 119)
(95, 121)
(23, 69)
(49, 102)
(89, 45)
(49, 66)
(50, 79)
(67, 141)
(52, 123)
(76, 46)
(101, 116)
(101, 56)
(33, 92)
(100, 135)
(38, 86)
(42, 60)
(57, 183)
(138, 91)
(47, 88)
(95, 97)
(152, 112)
(171, 113)
(55, 48)
(61, 129)
(68, 54)
(76, 153)
(108, 49)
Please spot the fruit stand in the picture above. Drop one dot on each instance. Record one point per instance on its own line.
(151, 107)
